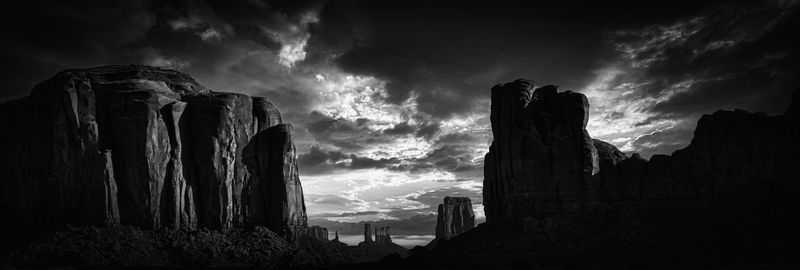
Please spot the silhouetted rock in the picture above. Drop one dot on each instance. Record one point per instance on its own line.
(147, 147)
(335, 242)
(542, 158)
(367, 233)
(382, 235)
(319, 233)
(374, 249)
(455, 217)
(542, 163)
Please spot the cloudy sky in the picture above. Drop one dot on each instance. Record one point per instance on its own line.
(390, 99)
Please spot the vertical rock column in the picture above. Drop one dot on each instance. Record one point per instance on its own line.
(138, 134)
(382, 235)
(367, 233)
(178, 209)
(275, 193)
(455, 217)
(508, 102)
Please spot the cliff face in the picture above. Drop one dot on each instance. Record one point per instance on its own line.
(147, 147)
(542, 158)
(455, 217)
(543, 163)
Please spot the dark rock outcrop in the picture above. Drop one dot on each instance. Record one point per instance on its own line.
(382, 235)
(543, 164)
(147, 147)
(377, 248)
(367, 233)
(542, 158)
(319, 233)
(455, 217)
(335, 242)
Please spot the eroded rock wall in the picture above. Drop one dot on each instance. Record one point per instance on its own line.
(455, 216)
(148, 147)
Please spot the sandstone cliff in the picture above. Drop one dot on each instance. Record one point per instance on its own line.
(543, 164)
(455, 217)
(148, 147)
(542, 158)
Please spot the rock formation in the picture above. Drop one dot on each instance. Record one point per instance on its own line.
(374, 249)
(319, 233)
(148, 147)
(382, 235)
(542, 158)
(274, 197)
(455, 217)
(335, 242)
(542, 162)
(367, 233)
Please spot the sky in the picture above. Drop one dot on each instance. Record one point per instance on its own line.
(390, 99)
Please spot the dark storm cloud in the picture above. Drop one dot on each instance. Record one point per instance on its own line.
(453, 152)
(425, 130)
(364, 162)
(428, 130)
(41, 39)
(317, 161)
(228, 46)
(400, 129)
(450, 55)
(733, 56)
(343, 133)
(724, 56)
(451, 157)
